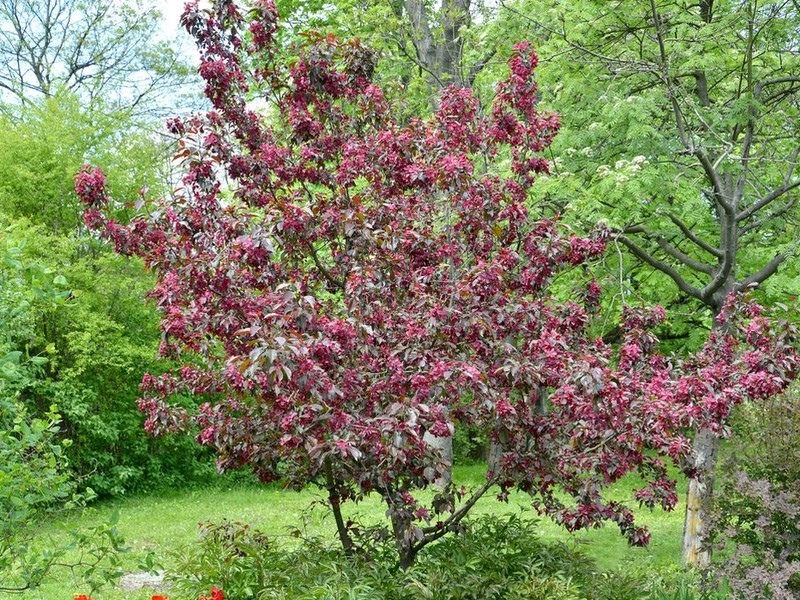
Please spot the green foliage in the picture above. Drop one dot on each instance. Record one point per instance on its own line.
(35, 480)
(758, 507)
(91, 347)
(470, 445)
(45, 143)
(87, 338)
(495, 557)
(35, 483)
(619, 158)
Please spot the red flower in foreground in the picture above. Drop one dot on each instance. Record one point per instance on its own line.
(216, 594)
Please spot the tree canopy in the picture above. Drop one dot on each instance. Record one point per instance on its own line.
(339, 282)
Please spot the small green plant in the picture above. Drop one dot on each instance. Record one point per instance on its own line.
(492, 558)
(36, 482)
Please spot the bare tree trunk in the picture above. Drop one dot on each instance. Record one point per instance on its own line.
(699, 499)
(445, 447)
(437, 40)
(696, 547)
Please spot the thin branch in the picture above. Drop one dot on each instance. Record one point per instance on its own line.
(434, 533)
(759, 204)
(773, 215)
(325, 272)
(693, 237)
(683, 257)
(762, 274)
(646, 257)
(672, 250)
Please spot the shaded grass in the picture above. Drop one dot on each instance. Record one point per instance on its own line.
(160, 524)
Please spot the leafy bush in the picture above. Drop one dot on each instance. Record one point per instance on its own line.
(494, 557)
(470, 445)
(758, 507)
(88, 337)
(91, 350)
(36, 482)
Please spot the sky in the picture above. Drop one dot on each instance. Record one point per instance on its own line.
(171, 11)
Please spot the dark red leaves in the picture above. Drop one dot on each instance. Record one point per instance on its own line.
(358, 282)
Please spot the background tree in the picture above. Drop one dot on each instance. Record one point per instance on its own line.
(82, 81)
(100, 343)
(360, 282)
(46, 141)
(36, 482)
(424, 46)
(683, 135)
(101, 50)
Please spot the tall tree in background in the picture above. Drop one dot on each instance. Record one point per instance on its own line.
(438, 35)
(101, 49)
(83, 81)
(424, 46)
(683, 132)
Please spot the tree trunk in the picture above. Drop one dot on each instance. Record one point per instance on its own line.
(699, 498)
(700, 495)
(403, 537)
(445, 447)
(437, 40)
(494, 456)
(335, 501)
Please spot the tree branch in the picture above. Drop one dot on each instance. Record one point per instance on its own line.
(773, 215)
(682, 257)
(702, 156)
(762, 274)
(646, 257)
(431, 534)
(693, 237)
(672, 250)
(759, 204)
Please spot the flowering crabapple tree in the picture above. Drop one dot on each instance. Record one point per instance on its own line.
(338, 283)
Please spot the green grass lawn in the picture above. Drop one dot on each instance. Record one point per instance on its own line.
(164, 522)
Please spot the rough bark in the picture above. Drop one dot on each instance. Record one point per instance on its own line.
(696, 547)
(699, 499)
(445, 446)
(438, 43)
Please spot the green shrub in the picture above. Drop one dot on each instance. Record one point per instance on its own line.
(37, 485)
(470, 445)
(91, 338)
(494, 557)
(758, 501)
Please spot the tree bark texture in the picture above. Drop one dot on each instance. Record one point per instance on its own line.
(445, 446)
(699, 499)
